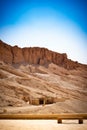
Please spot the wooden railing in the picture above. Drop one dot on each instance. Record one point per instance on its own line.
(59, 117)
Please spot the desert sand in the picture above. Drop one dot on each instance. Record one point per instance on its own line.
(25, 80)
(18, 86)
(41, 125)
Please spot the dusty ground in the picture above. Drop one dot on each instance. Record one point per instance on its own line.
(41, 125)
(68, 106)
(19, 85)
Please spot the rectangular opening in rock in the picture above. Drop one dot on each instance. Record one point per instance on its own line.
(41, 101)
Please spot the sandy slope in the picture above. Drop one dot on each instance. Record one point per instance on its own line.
(19, 85)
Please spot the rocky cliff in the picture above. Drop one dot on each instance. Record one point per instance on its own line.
(34, 55)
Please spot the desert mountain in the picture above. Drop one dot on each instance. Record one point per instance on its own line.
(34, 55)
(31, 76)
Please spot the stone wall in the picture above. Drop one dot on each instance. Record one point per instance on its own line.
(42, 101)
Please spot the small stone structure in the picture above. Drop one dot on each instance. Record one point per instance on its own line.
(42, 101)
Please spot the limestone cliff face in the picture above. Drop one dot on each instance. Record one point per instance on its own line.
(5, 52)
(17, 55)
(42, 56)
(34, 55)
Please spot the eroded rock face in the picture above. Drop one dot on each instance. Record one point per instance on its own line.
(17, 55)
(5, 52)
(34, 55)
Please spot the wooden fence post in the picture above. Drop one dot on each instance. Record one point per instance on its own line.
(59, 121)
(80, 121)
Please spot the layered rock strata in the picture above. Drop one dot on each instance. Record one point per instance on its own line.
(34, 55)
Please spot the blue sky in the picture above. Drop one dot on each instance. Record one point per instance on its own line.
(59, 25)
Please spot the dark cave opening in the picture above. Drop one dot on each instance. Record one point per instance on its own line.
(41, 101)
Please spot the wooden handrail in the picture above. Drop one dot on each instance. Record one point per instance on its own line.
(59, 117)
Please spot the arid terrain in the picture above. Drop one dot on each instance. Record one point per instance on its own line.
(48, 84)
(68, 88)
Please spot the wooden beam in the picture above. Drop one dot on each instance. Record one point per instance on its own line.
(65, 116)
